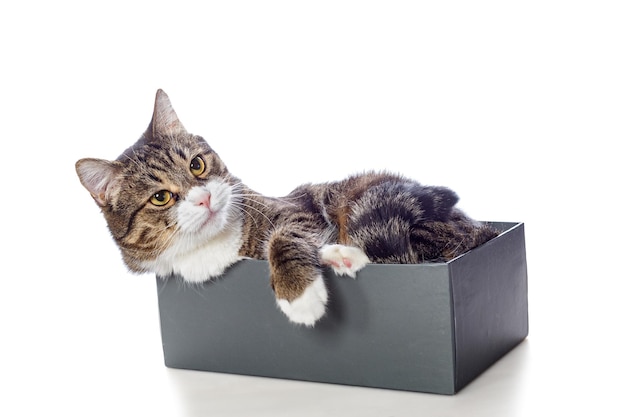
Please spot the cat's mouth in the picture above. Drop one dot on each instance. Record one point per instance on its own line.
(210, 218)
(204, 211)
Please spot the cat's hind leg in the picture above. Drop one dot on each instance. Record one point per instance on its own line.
(345, 260)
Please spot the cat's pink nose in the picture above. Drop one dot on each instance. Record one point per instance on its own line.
(205, 201)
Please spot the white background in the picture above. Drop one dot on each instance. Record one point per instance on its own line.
(518, 106)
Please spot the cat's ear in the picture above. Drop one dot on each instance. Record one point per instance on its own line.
(165, 122)
(98, 176)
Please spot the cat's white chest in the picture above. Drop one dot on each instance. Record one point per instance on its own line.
(206, 261)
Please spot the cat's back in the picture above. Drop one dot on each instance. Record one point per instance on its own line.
(393, 218)
(334, 203)
(341, 192)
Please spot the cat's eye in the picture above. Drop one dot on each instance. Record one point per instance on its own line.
(197, 166)
(161, 198)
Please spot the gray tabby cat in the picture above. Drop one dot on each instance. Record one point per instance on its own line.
(172, 206)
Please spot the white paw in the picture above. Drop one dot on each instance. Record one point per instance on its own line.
(309, 307)
(345, 260)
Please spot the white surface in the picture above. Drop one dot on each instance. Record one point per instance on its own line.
(519, 108)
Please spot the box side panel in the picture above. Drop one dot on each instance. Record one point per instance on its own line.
(390, 328)
(490, 302)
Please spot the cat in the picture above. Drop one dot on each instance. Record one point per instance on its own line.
(172, 206)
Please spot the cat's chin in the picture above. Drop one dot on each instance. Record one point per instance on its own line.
(198, 259)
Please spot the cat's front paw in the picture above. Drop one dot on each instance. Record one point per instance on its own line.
(309, 307)
(345, 260)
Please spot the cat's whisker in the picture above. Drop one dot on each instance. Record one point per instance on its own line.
(164, 228)
(291, 197)
(240, 197)
(165, 244)
(281, 199)
(244, 206)
(238, 186)
(254, 219)
(256, 201)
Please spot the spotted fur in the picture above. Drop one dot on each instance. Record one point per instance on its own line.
(169, 216)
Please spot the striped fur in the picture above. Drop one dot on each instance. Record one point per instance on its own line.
(169, 216)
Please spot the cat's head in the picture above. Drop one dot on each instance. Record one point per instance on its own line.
(165, 196)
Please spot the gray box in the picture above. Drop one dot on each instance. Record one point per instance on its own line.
(426, 327)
